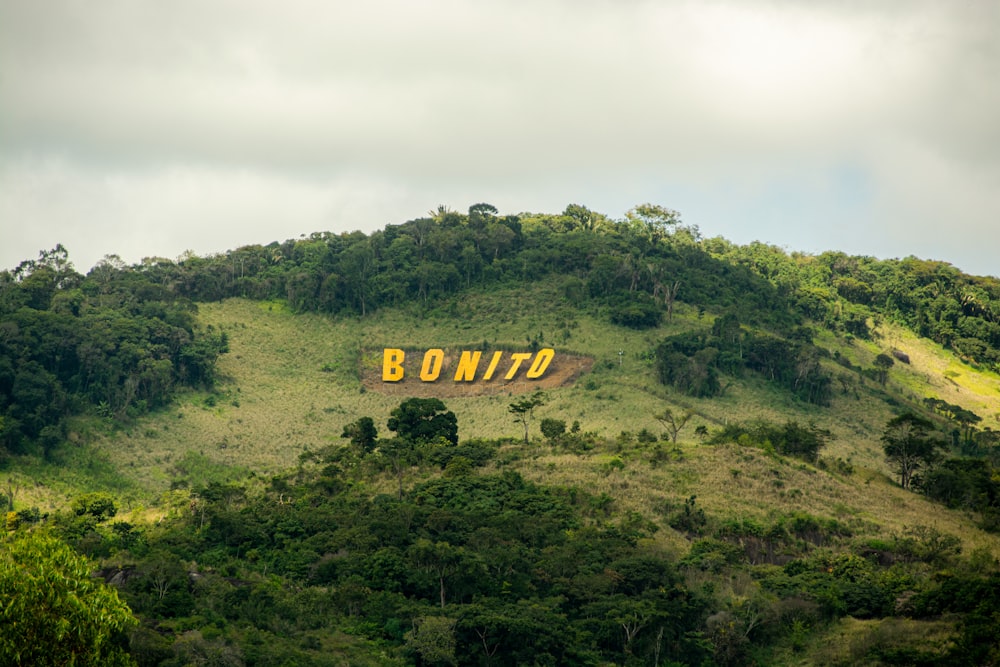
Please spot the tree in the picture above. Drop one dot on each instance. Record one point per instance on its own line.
(363, 435)
(357, 263)
(663, 290)
(422, 420)
(480, 214)
(524, 409)
(967, 421)
(585, 218)
(635, 310)
(433, 637)
(674, 423)
(966, 483)
(99, 504)
(553, 428)
(883, 363)
(439, 559)
(909, 444)
(801, 441)
(400, 454)
(652, 220)
(669, 295)
(53, 612)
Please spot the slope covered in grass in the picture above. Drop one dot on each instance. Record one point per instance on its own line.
(291, 383)
(249, 527)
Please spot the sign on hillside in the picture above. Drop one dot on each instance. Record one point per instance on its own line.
(442, 372)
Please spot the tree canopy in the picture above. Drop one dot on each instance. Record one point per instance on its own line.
(420, 420)
(53, 611)
(910, 445)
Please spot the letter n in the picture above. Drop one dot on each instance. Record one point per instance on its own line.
(467, 365)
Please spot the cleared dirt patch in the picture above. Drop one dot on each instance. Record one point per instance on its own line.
(563, 371)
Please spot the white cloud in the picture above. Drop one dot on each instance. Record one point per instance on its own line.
(200, 123)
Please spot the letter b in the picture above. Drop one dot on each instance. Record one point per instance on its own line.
(392, 364)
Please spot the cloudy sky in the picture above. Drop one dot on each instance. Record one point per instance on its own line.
(147, 128)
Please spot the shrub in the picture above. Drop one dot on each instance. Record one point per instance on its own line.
(553, 428)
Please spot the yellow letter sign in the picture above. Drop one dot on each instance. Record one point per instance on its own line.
(392, 364)
(468, 364)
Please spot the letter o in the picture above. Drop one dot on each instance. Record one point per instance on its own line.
(541, 363)
(431, 368)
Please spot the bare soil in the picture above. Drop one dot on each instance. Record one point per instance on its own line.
(563, 371)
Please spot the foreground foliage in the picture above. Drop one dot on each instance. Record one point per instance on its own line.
(471, 564)
(52, 610)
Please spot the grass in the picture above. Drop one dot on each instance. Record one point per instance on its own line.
(729, 480)
(851, 642)
(290, 383)
(936, 372)
(78, 469)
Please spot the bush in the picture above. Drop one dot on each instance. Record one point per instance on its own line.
(477, 452)
(789, 439)
(636, 311)
(553, 428)
(100, 505)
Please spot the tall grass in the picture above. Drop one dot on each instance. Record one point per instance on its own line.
(291, 382)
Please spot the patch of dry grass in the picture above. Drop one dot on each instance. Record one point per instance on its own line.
(291, 383)
(740, 482)
(853, 642)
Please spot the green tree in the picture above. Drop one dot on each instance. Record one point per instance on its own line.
(910, 444)
(966, 420)
(524, 409)
(433, 637)
(53, 612)
(421, 420)
(100, 505)
(356, 266)
(883, 363)
(553, 428)
(363, 435)
(653, 221)
(441, 560)
(587, 220)
(674, 423)
(636, 310)
(399, 454)
(801, 441)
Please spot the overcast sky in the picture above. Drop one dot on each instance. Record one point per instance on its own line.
(147, 128)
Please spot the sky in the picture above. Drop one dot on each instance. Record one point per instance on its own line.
(145, 128)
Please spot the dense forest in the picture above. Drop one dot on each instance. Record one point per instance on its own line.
(418, 547)
(472, 567)
(113, 342)
(122, 338)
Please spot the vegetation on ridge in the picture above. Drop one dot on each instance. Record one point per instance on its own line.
(714, 491)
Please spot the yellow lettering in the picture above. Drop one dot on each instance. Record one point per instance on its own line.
(392, 364)
(516, 360)
(541, 363)
(431, 368)
(467, 365)
(494, 362)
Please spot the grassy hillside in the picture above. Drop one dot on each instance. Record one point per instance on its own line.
(248, 526)
(194, 452)
(290, 383)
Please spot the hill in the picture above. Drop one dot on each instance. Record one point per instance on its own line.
(249, 492)
(291, 382)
